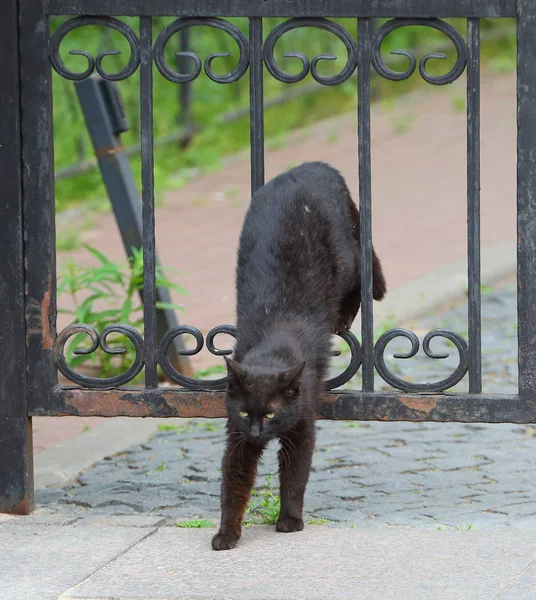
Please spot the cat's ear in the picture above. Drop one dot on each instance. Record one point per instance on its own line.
(235, 371)
(291, 376)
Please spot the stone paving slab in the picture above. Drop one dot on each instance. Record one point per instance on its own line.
(40, 562)
(523, 587)
(317, 564)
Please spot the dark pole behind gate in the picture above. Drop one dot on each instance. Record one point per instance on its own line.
(16, 473)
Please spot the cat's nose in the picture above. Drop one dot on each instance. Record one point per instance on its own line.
(255, 431)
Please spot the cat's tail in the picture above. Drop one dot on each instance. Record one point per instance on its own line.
(379, 285)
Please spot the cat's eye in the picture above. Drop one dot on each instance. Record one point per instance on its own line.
(243, 414)
(270, 415)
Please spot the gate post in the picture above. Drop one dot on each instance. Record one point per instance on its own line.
(526, 202)
(16, 470)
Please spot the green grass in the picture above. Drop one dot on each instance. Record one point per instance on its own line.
(319, 521)
(68, 240)
(264, 507)
(195, 524)
(191, 427)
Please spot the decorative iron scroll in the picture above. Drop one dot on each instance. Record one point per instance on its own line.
(456, 38)
(96, 341)
(163, 360)
(308, 65)
(406, 386)
(92, 62)
(188, 382)
(179, 25)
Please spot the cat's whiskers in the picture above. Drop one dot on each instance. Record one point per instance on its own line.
(285, 457)
(292, 446)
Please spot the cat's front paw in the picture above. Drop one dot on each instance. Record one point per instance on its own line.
(289, 524)
(224, 541)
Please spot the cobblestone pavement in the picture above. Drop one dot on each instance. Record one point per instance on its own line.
(365, 474)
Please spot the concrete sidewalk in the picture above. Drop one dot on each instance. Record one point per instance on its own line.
(145, 558)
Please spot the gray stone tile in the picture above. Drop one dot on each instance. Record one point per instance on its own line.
(41, 562)
(332, 564)
(523, 587)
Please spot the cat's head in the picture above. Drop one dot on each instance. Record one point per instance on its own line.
(263, 402)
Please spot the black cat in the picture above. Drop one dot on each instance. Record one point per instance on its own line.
(298, 282)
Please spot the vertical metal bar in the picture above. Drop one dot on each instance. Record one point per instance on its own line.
(256, 103)
(38, 205)
(147, 179)
(16, 476)
(473, 205)
(526, 201)
(365, 201)
(185, 90)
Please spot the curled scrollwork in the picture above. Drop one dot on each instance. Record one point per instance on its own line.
(310, 65)
(92, 62)
(356, 359)
(96, 341)
(188, 382)
(439, 386)
(180, 24)
(221, 383)
(456, 38)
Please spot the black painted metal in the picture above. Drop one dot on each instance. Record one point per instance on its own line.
(105, 120)
(526, 199)
(16, 478)
(255, 51)
(365, 200)
(256, 103)
(413, 9)
(457, 41)
(38, 202)
(185, 91)
(473, 205)
(147, 197)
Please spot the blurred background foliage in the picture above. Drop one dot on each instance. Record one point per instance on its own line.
(218, 113)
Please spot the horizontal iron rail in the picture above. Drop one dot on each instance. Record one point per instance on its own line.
(286, 8)
(343, 405)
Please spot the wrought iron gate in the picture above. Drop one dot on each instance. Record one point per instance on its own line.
(30, 351)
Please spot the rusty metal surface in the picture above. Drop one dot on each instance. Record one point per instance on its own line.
(344, 405)
(16, 479)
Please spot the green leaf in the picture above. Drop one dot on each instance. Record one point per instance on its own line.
(97, 254)
(169, 306)
(126, 310)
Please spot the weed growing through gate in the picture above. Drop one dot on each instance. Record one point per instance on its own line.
(107, 294)
(264, 505)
